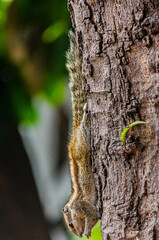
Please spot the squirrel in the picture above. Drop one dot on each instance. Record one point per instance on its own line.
(80, 211)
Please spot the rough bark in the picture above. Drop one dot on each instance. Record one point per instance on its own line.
(119, 42)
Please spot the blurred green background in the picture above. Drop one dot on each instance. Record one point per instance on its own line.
(35, 120)
(33, 41)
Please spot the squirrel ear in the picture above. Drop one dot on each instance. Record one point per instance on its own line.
(66, 210)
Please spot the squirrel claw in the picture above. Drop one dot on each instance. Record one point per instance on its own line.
(87, 235)
(87, 232)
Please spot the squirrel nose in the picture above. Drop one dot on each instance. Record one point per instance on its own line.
(81, 230)
(80, 235)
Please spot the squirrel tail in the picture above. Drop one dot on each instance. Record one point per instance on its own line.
(74, 67)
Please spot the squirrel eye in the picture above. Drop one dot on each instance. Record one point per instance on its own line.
(71, 224)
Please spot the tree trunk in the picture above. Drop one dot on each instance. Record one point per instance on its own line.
(120, 63)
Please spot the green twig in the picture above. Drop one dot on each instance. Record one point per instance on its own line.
(128, 127)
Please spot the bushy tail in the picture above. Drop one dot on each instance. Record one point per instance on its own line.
(74, 67)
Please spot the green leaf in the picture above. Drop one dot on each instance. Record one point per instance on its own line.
(96, 232)
(54, 31)
(128, 127)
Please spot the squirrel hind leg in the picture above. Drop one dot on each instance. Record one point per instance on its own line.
(85, 114)
(85, 107)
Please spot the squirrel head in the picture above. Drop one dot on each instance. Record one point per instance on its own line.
(74, 220)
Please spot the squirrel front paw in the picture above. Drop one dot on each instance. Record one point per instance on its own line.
(87, 233)
(89, 225)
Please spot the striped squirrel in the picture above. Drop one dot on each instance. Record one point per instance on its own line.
(80, 211)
